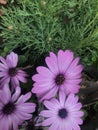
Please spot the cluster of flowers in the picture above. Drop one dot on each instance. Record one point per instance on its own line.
(55, 86)
(14, 108)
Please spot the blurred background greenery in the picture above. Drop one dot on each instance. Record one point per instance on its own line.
(33, 28)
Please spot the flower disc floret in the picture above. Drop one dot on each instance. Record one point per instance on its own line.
(8, 108)
(62, 113)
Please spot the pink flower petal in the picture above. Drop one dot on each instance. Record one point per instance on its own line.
(70, 99)
(16, 94)
(77, 107)
(45, 72)
(3, 60)
(21, 78)
(3, 67)
(7, 92)
(73, 81)
(27, 96)
(78, 114)
(48, 121)
(2, 74)
(40, 88)
(78, 120)
(74, 73)
(4, 80)
(73, 88)
(50, 94)
(22, 73)
(62, 98)
(24, 98)
(75, 126)
(54, 126)
(4, 123)
(27, 107)
(53, 104)
(40, 79)
(12, 60)
(51, 62)
(46, 113)
(23, 116)
(64, 60)
(14, 81)
(15, 121)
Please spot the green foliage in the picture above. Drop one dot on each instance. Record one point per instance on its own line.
(37, 27)
(96, 106)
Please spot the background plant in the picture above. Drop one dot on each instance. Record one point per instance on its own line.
(34, 28)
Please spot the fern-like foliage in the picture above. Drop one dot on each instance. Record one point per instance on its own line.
(36, 27)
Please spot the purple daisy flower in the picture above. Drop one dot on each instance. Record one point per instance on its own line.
(9, 72)
(62, 74)
(63, 114)
(14, 109)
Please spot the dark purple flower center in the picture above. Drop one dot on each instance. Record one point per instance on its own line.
(60, 79)
(12, 72)
(8, 108)
(63, 113)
